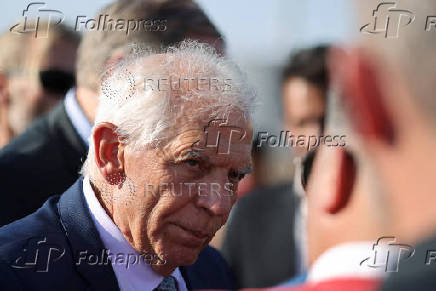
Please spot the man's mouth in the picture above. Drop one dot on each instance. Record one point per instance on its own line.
(197, 233)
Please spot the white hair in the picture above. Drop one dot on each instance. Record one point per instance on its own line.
(143, 115)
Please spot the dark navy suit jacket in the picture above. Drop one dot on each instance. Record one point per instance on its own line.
(42, 252)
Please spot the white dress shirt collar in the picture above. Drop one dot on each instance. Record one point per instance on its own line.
(344, 261)
(75, 113)
(139, 276)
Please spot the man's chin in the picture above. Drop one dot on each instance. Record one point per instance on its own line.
(182, 255)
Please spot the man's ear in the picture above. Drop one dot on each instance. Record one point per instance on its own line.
(355, 76)
(344, 181)
(115, 58)
(109, 153)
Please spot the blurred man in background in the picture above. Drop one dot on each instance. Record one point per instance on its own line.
(48, 156)
(345, 214)
(387, 87)
(263, 243)
(35, 74)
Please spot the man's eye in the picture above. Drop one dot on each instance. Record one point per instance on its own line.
(236, 176)
(192, 163)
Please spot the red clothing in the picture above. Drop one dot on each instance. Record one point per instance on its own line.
(340, 284)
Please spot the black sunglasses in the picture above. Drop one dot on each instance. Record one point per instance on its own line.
(57, 81)
(306, 167)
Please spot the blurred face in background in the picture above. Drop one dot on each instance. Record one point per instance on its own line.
(47, 75)
(304, 108)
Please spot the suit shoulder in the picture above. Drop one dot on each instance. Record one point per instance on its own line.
(211, 259)
(31, 249)
(271, 200)
(43, 161)
(8, 280)
(210, 254)
(269, 194)
(210, 271)
(41, 223)
(33, 138)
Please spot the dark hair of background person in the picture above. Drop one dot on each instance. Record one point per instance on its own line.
(310, 65)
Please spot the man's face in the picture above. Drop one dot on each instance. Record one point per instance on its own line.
(304, 107)
(33, 94)
(184, 190)
(59, 67)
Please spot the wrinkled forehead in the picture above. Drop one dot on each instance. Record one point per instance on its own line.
(212, 122)
(223, 141)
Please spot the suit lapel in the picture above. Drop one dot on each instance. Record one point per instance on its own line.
(63, 131)
(186, 274)
(84, 240)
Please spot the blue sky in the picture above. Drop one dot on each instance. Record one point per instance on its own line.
(254, 29)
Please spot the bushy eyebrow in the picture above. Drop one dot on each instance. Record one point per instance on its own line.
(191, 154)
(199, 155)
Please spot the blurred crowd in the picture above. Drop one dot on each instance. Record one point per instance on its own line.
(356, 201)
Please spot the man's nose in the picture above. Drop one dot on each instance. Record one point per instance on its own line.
(215, 194)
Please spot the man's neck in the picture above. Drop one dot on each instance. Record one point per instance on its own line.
(348, 260)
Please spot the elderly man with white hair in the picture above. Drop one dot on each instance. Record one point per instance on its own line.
(170, 143)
